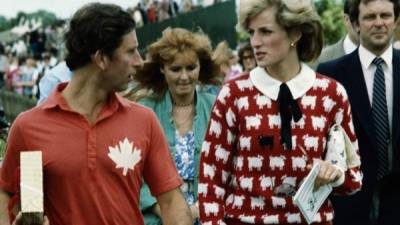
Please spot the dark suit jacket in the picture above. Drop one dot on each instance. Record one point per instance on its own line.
(355, 209)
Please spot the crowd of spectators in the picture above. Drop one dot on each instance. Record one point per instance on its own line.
(26, 60)
(153, 11)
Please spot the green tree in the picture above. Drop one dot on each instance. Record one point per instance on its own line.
(4, 24)
(242, 36)
(331, 14)
(46, 17)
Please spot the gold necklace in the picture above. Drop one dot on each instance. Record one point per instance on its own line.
(183, 116)
(181, 104)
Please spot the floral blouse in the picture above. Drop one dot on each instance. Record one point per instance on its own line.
(184, 160)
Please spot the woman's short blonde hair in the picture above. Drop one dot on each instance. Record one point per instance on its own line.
(292, 15)
(222, 53)
(175, 41)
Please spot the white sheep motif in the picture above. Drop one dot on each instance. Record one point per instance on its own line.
(262, 100)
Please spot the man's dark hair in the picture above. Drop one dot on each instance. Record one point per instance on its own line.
(346, 7)
(354, 8)
(94, 27)
(2, 49)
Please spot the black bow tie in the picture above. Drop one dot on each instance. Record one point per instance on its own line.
(288, 109)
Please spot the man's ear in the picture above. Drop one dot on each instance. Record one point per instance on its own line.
(356, 26)
(100, 59)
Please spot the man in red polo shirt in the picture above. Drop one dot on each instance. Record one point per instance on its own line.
(96, 146)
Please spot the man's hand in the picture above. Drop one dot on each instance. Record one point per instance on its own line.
(4, 198)
(156, 210)
(194, 209)
(174, 209)
(18, 220)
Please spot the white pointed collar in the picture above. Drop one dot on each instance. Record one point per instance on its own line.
(269, 86)
(366, 57)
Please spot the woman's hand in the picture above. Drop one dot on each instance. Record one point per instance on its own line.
(328, 173)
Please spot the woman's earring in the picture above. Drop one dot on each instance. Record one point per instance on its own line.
(292, 44)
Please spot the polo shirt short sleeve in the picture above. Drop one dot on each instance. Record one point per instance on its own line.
(155, 165)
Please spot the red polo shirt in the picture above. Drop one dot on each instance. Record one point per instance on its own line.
(92, 173)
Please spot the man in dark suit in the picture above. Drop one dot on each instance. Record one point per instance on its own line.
(373, 86)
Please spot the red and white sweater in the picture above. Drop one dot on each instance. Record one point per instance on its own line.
(238, 174)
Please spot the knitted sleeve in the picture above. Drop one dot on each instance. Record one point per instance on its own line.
(216, 156)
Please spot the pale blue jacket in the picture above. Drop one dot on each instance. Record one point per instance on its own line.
(163, 110)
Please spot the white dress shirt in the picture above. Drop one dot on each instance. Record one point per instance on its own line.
(348, 45)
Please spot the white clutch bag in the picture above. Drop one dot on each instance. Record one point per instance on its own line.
(340, 150)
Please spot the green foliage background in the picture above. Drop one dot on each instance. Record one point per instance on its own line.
(331, 15)
(3, 145)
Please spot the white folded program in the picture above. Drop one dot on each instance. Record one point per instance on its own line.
(31, 184)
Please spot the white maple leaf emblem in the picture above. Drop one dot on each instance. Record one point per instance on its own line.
(124, 156)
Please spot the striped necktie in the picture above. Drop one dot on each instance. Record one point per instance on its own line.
(380, 118)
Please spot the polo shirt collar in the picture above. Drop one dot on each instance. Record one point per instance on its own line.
(57, 99)
(269, 86)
